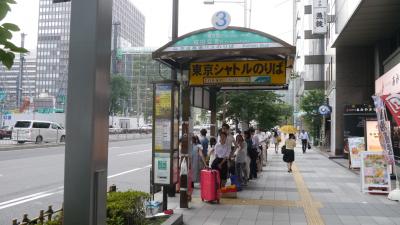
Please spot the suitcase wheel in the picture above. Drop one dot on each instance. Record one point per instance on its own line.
(202, 200)
(218, 201)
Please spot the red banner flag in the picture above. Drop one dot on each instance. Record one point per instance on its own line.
(392, 101)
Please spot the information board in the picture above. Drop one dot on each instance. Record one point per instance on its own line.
(165, 132)
(372, 136)
(375, 175)
(356, 146)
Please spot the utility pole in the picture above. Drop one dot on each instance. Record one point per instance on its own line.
(115, 46)
(21, 72)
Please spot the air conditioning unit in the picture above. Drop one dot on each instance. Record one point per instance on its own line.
(331, 19)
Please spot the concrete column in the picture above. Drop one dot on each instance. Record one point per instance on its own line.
(86, 151)
(354, 85)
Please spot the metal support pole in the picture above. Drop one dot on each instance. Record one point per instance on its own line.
(245, 12)
(174, 73)
(115, 46)
(213, 106)
(86, 153)
(21, 73)
(165, 198)
(185, 145)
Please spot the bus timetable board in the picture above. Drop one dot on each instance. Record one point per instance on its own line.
(165, 137)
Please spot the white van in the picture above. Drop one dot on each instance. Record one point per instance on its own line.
(37, 131)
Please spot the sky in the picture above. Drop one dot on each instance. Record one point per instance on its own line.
(274, 17)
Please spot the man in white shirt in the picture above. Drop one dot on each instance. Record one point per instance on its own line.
(304, 140)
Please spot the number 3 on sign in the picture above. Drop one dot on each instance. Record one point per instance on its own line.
(221, 20)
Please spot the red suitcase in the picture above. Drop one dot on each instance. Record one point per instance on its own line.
(210, 183)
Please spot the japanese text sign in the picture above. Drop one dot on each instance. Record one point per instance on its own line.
(238, 73)
(319, 16)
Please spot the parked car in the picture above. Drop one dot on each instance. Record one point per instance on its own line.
(5, 132)
(147, 128)
(37, 131)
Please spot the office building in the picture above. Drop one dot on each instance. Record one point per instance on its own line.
(53, 42)
(9, 82)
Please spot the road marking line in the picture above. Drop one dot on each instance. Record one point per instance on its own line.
(129, 171)
(311, 208)
(28, 198)
(132, 153)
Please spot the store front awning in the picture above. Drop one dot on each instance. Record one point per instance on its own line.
(372, 21)
(233, 43)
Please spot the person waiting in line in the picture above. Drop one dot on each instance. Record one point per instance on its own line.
(198, 160)
(221, 158)
(240, 159)
(288, 153)
(204, 141)
(253, 154)
(211, 151)
(305, 139)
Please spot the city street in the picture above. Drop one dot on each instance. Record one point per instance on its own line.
(32, 179)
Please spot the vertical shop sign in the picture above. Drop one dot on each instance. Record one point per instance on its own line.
(319, 14)
(384, 129)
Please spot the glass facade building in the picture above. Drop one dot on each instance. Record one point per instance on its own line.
(141, 70)
(53, 42)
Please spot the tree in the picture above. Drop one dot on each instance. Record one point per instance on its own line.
(120, 90)
(8, 49)
(309, 104)
(264, 107)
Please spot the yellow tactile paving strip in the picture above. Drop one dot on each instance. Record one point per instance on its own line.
(311, 207)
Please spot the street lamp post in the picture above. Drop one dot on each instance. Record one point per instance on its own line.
(244, 2)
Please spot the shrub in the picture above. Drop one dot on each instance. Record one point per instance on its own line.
(126, 208)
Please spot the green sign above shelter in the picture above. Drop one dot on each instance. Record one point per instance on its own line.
(223, 39)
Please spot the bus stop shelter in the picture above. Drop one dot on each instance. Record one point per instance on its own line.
(211, 60)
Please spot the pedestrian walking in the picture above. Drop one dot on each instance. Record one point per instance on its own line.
(240, 159)
(305, 139)
(288, 153)
(198, 160)
(211, 151)
(277, 140)
(204, 141)
(221, 158)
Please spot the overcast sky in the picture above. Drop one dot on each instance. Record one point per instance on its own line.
(270, 16)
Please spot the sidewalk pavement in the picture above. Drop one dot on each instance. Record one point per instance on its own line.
(318, 192)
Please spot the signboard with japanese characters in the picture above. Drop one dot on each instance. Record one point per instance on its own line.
(223, 39)
(389, 83)
(356, 147)
(319, 14)
(272, 73)
(375, 175)
(165, 135)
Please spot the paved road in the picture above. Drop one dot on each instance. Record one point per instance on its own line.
(32, 179)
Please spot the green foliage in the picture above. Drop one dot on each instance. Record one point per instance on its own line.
(124, 205)
(8, 49)
(309, 104)
(57, 220)
(120, 90)
(265, 107)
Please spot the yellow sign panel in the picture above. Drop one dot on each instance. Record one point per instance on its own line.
(272, 72)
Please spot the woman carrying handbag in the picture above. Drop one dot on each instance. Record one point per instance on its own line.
(288, 151)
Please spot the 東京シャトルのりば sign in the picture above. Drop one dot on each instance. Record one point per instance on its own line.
(271, 72)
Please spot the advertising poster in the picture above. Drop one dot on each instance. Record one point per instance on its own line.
(356, 146)
(372, 134)
(162, 164)
(375, 175)
(162, 133)
(163, 107)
